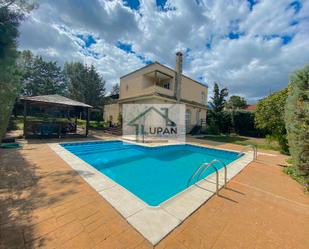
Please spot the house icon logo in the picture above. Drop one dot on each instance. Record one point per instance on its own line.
(157, 120)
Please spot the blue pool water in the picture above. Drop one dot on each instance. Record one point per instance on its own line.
(152, 174)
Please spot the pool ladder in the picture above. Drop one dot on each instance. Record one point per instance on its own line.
(203, 168)
(249, 146)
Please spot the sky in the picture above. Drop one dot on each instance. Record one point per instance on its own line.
(249, 46)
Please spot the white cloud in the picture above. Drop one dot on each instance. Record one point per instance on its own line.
(250, 66)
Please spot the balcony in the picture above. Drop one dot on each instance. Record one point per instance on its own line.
(160, 83)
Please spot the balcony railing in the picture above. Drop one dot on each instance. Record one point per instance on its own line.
(162, 90)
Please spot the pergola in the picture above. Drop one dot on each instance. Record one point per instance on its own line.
(48, 102)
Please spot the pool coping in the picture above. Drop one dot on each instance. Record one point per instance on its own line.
(154, 223)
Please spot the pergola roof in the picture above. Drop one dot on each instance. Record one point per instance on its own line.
(55, 99)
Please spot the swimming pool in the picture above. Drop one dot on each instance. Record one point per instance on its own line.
(153, 174)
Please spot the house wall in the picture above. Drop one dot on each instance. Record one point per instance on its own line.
(193, 91)
(138, 84)
(111, 113)
(194, 116)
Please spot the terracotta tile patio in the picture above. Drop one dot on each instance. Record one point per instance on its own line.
(45, 204)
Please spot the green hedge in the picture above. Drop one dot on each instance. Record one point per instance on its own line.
(243, 124)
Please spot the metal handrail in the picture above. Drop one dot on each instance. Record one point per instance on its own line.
(195, 173)
(200, 170)
(224, 166)
(251, 146)
(217, 175)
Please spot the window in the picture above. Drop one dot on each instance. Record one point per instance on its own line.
(166, 85)
(204, 99)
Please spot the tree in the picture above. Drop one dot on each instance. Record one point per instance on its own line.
(20, 6)
(41, 77)
(9, 74)
(236, 102)
(115, 89)
(75, 77)
(84, 83)
(218, 100)
(269, 115)
(95, 90)
(297, 119)
(217, 106)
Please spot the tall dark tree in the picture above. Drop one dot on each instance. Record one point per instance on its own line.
(9, 74)
(95, 90)
(41, 77)
(217, 106)
(219, 99)
(115, 89)
(75, 76)
(84, 83)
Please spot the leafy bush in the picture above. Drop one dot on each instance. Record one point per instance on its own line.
(210, 129)
(244, 124)
(297, 119)
(218, 122)
(297, 176)
(225, 123)
(269, 116)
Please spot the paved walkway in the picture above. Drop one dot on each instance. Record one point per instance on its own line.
(45, 204)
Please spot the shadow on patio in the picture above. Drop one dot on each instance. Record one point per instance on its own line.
(27, 194)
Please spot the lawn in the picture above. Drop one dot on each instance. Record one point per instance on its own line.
(260, 143)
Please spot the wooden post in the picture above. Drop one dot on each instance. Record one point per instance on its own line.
(76, 113)
(25, 118)
(68, 113)
(59, 129)
(87, 121)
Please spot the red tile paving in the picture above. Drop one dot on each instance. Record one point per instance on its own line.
(45, 204)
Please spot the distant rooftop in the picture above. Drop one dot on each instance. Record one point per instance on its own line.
(250, 107)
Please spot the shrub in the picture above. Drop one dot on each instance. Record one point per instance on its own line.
(244, 124)
(210, 129)
(218, 123)
(297, 119)
(297, 176)
(269, 116)
(225, 123)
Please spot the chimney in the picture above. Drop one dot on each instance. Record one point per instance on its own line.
(178, 76)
